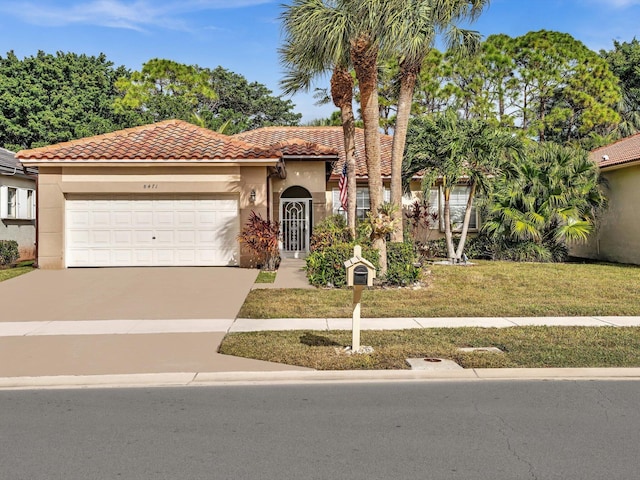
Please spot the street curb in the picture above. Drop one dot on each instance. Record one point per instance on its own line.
(184, 379)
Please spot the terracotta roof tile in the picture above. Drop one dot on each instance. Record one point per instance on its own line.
(168, 140)
(330, 137)
(297, 147)
(626, 150)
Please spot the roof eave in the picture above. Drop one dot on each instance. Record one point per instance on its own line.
(248, 162)
(623, 164)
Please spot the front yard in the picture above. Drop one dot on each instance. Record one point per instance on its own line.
(487, 289)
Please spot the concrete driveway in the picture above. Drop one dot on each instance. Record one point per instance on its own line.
(126, 294)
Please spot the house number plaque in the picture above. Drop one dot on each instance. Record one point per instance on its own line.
(150, 186)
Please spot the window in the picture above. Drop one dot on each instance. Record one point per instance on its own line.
(362, 201)
(17, 203)
(457, 207)
(12, 200)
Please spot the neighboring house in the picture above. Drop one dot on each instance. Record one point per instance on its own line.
(617, 238)
(17, 204)
(172, 193)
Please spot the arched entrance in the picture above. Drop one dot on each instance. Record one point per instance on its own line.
(295, 221)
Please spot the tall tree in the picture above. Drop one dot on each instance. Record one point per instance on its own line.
(624, 62)
(49, 98)
(450, 152)
(358, 29)
(316, 42)
(424, 21)
(215, 99)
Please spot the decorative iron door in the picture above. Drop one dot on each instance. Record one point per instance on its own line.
(294, 220)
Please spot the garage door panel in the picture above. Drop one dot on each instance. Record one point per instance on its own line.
(129, 230)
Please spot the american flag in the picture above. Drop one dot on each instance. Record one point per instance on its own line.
(342, 186)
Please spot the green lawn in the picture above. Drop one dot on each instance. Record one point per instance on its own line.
(6, 274)
(523, 347)
(487, 289)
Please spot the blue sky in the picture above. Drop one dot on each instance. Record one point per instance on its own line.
(243, 35)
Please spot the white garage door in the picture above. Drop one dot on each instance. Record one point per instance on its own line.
(131, 230)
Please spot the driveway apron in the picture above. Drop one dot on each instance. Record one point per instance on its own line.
(156, 293)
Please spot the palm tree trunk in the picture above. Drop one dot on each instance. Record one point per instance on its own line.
(408, 77)
(364, 56)
(448, 235)
(342, 95)
(467, 218)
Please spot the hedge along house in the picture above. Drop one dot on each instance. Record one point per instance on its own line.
(18, 204)
(617, 238)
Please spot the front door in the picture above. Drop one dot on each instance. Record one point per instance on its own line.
(294, 216)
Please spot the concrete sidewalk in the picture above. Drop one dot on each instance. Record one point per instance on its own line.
(121, 327)
(184, 352)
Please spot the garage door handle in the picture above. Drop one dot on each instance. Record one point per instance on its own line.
(153, 238)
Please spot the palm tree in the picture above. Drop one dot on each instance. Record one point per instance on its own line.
(425, 20)
(549, 197)
(452, 151)
(307, 53)
(322, 35)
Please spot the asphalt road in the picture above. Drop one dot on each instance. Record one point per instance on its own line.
(419, 430)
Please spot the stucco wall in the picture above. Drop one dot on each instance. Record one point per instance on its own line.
(22, 231)
(57, 182)
(309, 175)
(618, 236)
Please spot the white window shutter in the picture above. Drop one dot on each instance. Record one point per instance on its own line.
(33, 205)
(22, 210)
(4, 201)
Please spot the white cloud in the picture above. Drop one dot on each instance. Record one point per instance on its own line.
(133, 15)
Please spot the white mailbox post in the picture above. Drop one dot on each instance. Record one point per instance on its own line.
(360, 274)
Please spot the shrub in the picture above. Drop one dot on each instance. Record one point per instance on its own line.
(8, 252)
(331, 231)
(325, 267)
(401, 269)
(261, 236)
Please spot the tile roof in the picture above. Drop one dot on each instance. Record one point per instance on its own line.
(626, 150)
(330, 137)
(167, 140)
(297, 147)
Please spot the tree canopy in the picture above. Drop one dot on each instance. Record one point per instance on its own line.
(217, 99)
(52, 98)
(47, 99)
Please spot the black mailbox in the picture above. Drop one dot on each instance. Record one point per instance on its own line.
(361, 275)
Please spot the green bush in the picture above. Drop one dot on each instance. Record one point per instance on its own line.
(8, 252)
(325, 267)
(332, 230)
(401, 259)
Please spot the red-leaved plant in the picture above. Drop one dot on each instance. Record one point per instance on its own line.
(261, 236)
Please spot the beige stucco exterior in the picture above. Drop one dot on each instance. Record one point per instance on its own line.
(56, 184)
(310, 175)
(618, 236)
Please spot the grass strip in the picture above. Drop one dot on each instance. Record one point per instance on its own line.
(266, 277)
(487, 289)
(523, 347)
(6, 274)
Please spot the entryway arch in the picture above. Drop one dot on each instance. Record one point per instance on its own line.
(295, 221)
